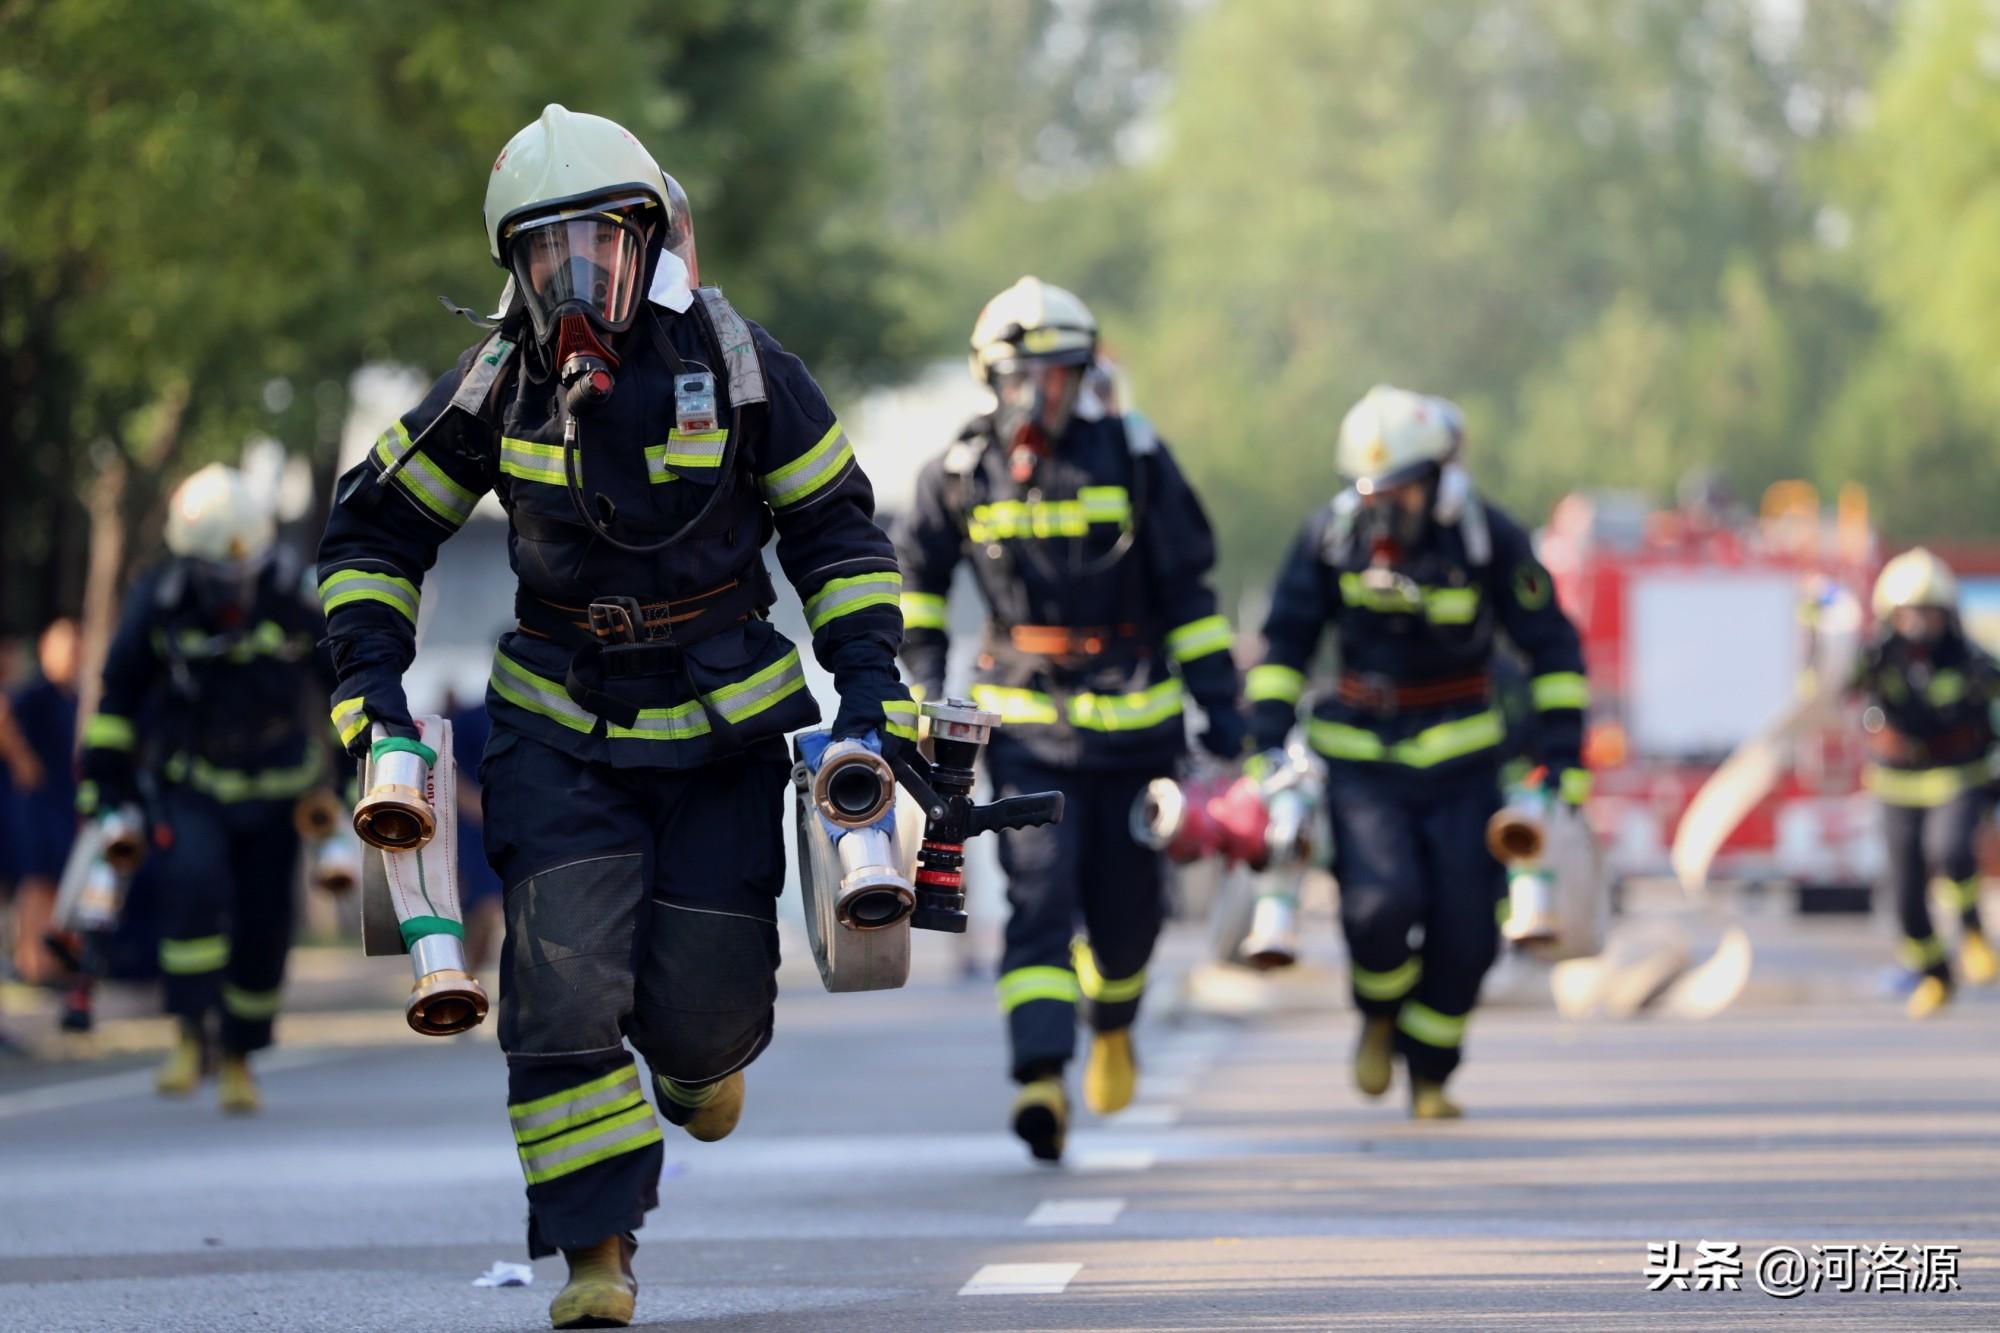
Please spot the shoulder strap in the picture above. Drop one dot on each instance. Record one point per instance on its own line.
(742, 367)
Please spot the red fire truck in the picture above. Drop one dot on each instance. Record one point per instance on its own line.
(1699, 628)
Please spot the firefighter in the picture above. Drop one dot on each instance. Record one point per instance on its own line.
(1092, 554)
(1415, 574)
(205, 722)
(645, 441)
(1928, 691)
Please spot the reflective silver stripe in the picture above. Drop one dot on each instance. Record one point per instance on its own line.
(742, 368)
(435, 491)
(534, 462)
(809, 473)
(839, 597)
(522, 687)
(703, 449)
(544, 1116)
(345, 586)
(392, 444)
(625, 1132)
(774, 682)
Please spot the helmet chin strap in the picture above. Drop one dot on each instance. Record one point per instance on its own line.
(584, 365)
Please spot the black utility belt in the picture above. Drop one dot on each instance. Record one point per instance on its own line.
(640, 630)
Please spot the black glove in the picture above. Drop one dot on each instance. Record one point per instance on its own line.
(109, 781)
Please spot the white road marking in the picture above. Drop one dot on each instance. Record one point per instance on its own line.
(132, 1083)
(1096, 1160)
(1145, 1116)
(1076, 1212)
(1166, 1085)
(1020, 1280)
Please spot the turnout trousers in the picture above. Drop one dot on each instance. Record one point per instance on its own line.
(1419, 901)
(641, 906)
(1086, 904)
(1932, 848)
(228, 884)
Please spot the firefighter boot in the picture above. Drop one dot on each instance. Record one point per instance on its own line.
(601, 1290)
(1041, 1118)
(1931, 995)
(181, 1072)
(1374, 1056)
(236, 1089)
(1428, 1102)
(708, 1113)
(1111, 1075)
(1976, 960)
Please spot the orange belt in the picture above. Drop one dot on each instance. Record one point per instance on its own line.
(1377, 694)
(1067, 640)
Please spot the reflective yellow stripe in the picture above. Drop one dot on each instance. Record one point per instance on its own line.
(1025, 984)
(1136, 711)
(1429, 1026)
(842, 597)
(1015, 706)
(923, 610)
(1429, 747)
(1961, 895)
(899, 718)
(1574, 785)
(1126, 712)
(530, 461)
(1924, 787)
(1919, 954)
(569, 1153)
(108, 731)
(1561, 689)
(1050, 518)
(1105, 504)
(1441, 605)
(702, 449)
(1391, 985)
(1451, 606)
(350, 719)
(344, 587)
(1093, 983)
(251, 1004)
(183, 958)
(1280, 684)
(540, 695)
(437, 492)
(747, 698)
(538, 1119)
(1946, 688)
(809, 473)
(230, 785)
(1199, 638)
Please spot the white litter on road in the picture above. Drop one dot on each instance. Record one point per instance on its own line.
(1020, 1280)
(1076, 1212)
(504, 1274)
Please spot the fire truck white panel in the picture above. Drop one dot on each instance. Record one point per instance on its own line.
(1714, 657)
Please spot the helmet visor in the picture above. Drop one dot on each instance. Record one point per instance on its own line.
(590, 263)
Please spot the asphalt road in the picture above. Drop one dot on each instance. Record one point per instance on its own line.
(871, 1187)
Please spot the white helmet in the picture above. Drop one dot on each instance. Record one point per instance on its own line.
(215, 516)
(1032, 321)
(1392, 435)
(1916, 578)
(563, 177)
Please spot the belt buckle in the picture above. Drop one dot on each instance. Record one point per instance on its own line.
(1378, 693)
(617, 619)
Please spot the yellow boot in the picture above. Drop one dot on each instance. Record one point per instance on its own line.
(1041, 1118)
(237, 1090)
(1111, 1075)
(181, 1072)
(1375, 1054)
(1930, 996)
(1976, 960)
(601, 1290)
(708, 1113)
(1428, 1102)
